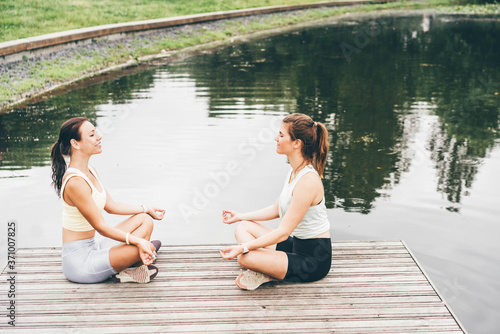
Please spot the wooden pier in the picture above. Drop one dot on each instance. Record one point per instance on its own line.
(373, 287)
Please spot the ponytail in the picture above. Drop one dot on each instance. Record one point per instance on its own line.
(62, 147)
(314, 138)
(319, 159)
(58, 167)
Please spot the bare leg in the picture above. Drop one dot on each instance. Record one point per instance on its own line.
(123, 256)
(265, 260)
(140, 225)
(249, 230)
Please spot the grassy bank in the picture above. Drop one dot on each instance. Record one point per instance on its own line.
(26, 18)
(40, 76)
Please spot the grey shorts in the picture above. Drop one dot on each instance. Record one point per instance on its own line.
(87, 260)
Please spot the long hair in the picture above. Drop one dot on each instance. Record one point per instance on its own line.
(62, 147)
(314, 138)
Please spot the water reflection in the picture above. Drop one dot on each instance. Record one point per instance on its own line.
(26, 134)
(369, 97)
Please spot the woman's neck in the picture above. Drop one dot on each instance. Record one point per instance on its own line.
(297, 161)
(79, 162)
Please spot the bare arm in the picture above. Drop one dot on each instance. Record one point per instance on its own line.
(304, 195)
(267, 213)
(119, 208)
(80, 194)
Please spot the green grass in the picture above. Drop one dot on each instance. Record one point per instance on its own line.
(26, 18)
(472, 9)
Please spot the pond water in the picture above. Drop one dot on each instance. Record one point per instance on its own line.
(412, 106)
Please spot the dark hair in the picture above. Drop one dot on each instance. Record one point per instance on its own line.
(314, 138)
(62, 147)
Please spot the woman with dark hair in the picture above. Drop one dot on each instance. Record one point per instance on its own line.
(85, 259)
(300, 249)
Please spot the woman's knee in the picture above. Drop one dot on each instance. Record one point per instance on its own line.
(146, 221)
(244, 260)
(243, 226)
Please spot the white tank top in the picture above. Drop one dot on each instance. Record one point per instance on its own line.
(315, 220)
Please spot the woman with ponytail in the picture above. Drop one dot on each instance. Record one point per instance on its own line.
(300, 249)
(86, 259)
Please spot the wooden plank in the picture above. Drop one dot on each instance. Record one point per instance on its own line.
(373, 287)
(211, 304)
(371, 326)
(30, 285)
(164, 258)
(305, 328)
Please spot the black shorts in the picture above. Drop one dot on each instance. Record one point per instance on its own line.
(309, 260)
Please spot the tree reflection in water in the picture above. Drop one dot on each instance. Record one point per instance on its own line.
(368, 99)
(447, 63)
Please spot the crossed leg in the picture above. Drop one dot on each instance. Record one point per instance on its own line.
(123, 256)
(266, 260)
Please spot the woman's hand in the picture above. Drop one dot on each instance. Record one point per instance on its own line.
(230, 216)
(229, 253)
(145, 252)
(155, 213)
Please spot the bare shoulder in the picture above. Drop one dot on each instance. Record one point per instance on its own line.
(312, 177)
(77, 184)
(310, 181)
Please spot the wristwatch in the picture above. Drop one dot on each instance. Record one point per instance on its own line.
(245, 248)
